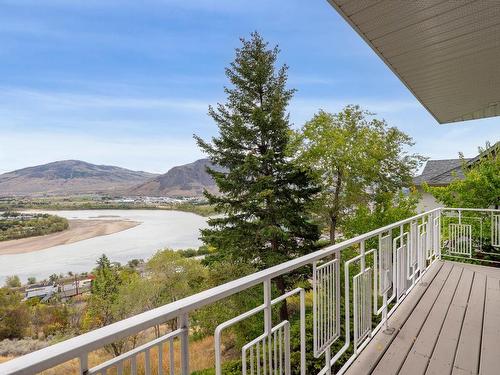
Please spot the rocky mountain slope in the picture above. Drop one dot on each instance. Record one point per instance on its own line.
(70, 177)
(187, 180)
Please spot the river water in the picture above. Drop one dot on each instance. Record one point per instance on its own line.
(159, 229)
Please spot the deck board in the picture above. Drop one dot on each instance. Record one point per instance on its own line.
(371, 357)
(443, 355)
(418, 357)
(450, 327)
(490, 347)
(396, 354)
(469, 346)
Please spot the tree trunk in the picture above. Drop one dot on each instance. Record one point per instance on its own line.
(280, 284)
(333, 228)
(117, 348)
(157, 330)
(334, 212)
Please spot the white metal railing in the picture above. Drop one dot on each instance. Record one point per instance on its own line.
(270, 350)
(377, 275)
(471, 233)
(129, 359)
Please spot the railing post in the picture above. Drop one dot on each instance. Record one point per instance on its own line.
(268, 324)
(302, 332)
(438, 234)
(184, 324)
(328, 360)
(267, 304)
(84, 364)
(384, 311)
(362, 252)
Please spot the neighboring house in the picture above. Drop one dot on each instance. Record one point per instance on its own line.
(443, 172)
(437, 173)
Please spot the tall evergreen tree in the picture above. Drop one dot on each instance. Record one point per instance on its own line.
(263, 194)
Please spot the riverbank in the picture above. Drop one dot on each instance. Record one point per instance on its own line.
(99, 203)
(78, 230)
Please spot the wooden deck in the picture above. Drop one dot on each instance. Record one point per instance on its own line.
(448, 324)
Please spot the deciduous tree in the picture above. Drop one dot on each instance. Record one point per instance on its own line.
(359, 160)
(14, 318)
(12, 281)
(104, 295)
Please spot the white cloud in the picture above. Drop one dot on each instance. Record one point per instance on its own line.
(302, 110)
(152, 154)
(151, 133)
(101, 114)
(154, 132)
(62, 100)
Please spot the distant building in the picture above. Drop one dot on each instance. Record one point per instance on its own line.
(443, 172)
(64, 289)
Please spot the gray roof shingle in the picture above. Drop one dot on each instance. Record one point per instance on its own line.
(440, 172)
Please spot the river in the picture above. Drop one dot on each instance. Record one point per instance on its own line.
(159, 229)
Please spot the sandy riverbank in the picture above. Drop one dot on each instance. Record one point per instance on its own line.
(79, 230)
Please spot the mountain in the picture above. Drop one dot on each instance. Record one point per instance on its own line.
(187, 180)
(70, 177)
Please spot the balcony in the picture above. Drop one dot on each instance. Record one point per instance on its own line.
(404, 298)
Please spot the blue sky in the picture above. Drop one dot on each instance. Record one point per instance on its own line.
(128, 82)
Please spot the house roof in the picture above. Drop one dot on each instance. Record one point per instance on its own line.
(493, 150)
(440, 172)
(445, 52)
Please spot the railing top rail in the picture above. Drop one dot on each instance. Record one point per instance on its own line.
(471, 209)
(74, 347)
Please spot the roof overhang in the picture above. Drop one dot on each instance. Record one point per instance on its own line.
(446, 52)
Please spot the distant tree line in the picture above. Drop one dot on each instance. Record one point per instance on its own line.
(96, 203)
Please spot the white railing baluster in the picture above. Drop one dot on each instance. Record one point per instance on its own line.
(251, 361)
(495, 230)
(258, 358)
(133, 366)
(275, 357)
(325, 316)
(147, 362)
(160, 359)
(171, 357)
(281, 353)
(134, 353)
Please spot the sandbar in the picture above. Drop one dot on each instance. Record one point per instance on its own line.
(78, 230)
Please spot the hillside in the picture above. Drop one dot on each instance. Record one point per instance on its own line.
(70, 177)
(187, 180)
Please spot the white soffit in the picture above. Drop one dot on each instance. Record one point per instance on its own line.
(446, 52)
